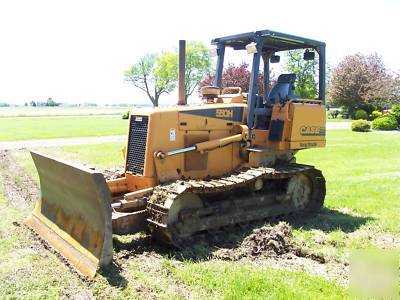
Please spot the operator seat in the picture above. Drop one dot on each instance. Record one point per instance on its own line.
(283, 90)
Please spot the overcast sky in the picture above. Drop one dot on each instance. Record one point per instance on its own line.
(76, 51)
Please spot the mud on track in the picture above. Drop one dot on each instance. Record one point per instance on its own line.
(17, 185)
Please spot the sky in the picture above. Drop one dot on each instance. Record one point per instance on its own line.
(77, 51)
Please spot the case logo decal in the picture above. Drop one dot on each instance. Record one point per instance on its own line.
(312, 130)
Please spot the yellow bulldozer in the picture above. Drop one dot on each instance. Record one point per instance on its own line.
(190, 169)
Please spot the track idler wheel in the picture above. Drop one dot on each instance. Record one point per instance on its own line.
(306, 190)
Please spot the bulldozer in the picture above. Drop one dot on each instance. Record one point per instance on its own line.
(193, 169)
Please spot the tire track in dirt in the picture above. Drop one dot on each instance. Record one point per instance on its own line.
(18, 187)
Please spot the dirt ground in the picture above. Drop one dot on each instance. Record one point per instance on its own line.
(18, 187)
(256, 244)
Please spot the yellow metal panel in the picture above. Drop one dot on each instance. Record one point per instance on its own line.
(73, 213)
(307, 122)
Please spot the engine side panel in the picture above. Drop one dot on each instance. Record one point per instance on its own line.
(177, 128)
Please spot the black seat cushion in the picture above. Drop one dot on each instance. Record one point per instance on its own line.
(283, 90)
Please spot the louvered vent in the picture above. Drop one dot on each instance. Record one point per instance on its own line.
(137, 144)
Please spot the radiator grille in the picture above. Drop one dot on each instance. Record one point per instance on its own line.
(137, 144)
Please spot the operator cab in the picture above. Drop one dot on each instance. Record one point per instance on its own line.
(264, 45)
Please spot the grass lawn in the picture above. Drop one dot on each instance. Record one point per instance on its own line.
(60, 111)
(28, 128)
(363, 175)
(106, 155)
(361, 210)
(339, 120)
(217, 279)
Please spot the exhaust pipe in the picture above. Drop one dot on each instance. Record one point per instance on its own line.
(181, 77)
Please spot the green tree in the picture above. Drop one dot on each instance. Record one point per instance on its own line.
(156, 74)
(152, 74)
(50, 102)
(305, 70)
(197, 65)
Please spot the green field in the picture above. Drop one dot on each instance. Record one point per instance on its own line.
(29, 128)
(105, 155)
(361, 211)
(60, 111)
(363, 172)
(339, 120)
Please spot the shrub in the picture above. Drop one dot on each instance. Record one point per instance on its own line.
(360, 125)
(125, 116)
(375, 114)
(332, 114)
(386, 122)
(396, 112)
(361, 114)
(396, 108)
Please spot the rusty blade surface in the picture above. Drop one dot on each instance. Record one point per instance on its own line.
(73, 213)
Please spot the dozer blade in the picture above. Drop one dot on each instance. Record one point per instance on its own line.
(73, 213)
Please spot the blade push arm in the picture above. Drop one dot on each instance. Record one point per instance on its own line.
(208, 145)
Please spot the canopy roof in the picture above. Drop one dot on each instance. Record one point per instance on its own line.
(271, 40)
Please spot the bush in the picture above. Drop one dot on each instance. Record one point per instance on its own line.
(375, 114)
(361, 114)
(396, 108)
(332, 114)
(125, 116)
(396, 112)
(386, 122)
(360, 125)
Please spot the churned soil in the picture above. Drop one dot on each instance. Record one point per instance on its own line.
(267, 242)
(18, 186)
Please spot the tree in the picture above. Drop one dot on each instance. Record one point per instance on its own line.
(305, 70)
(393, 90)
(235, 76)
(360, 82)
(50, 102)
(197, 65)
(33, 103)
(153, 74)
(157, 74)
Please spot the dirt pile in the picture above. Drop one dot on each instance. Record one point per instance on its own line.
(267, 242)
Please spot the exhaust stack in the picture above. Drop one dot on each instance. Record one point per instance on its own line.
(181, 78)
